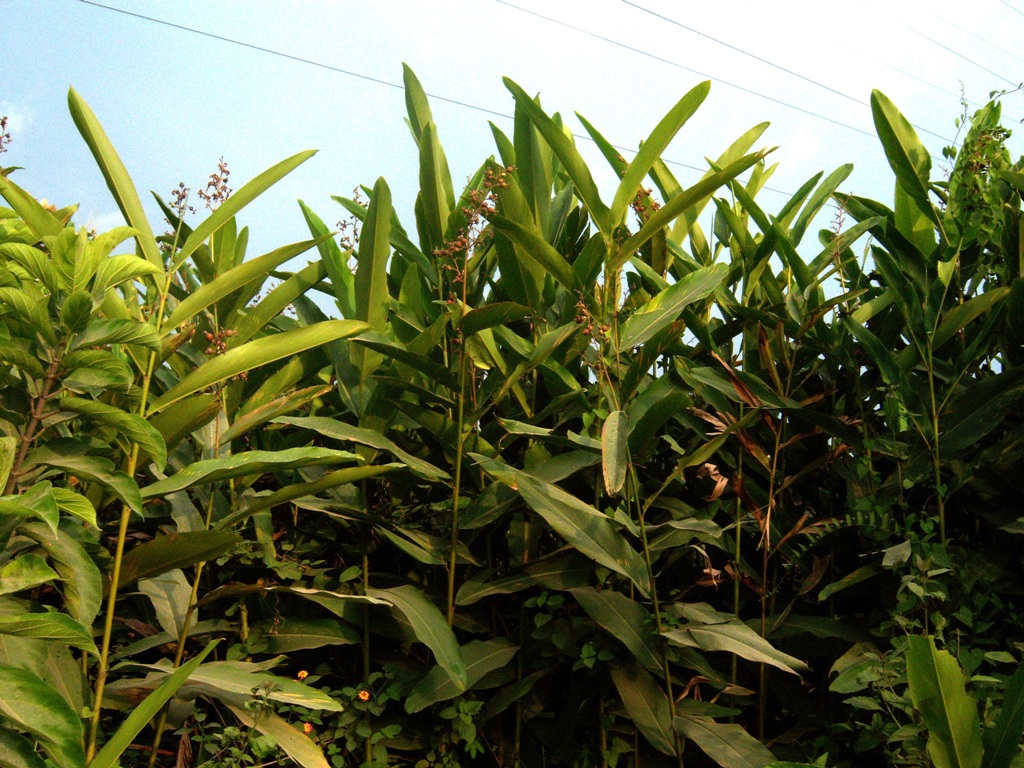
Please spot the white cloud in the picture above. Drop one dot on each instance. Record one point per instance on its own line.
(101, 222)
(19, 119)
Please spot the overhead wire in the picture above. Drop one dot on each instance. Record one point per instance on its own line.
(361, 76)
(1015, 10)
(943, 46)
(768, 62)
(677, 65)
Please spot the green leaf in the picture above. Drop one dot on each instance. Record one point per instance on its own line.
(30, 311)
(664, 309)
(433, 204)
(342, 431)
(76, 311)
(66, 455)
(288, 401)
(16, 751)
(592, 533)
(430, 627)
(99, 333)
(961, 315)
(170, 594)
(727, 744)
(646, 705)
(1002, 740)
(230, 281)
(652, 148)
(695, 195)
(25, 572)
(290, 634)
(176, 550)
(614, 454)
(240, 678)
(109, 754)
(300, 490)
(120, 269)
(498, 313)
(711, 630)
(907, 156)
(238, 200)
(41, 221)
(8, 450)
(116, 175)
(371, 279)
(135, 428)
(538, 249)
(937, 690)
(246, 463)
(480, 657)
(257, 353)
(83, 586)
(277, 301)
(29, 703)
(569, 157)
(49, 626)
(297, 745)
(625, 620)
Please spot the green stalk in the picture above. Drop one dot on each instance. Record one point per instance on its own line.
(122, 534)
(368, 743)
(459, 443)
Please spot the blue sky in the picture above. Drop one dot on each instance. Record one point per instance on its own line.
(173, 102)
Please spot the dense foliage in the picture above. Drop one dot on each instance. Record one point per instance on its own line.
(572, 481)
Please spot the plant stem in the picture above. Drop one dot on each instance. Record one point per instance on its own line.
(122, 534)
(32, 430)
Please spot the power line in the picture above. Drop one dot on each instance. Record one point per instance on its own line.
(289, 56)
(943, 46)
(1015, 10)
(772, 64)
(967, 32)
(359, 75)
(685, 68)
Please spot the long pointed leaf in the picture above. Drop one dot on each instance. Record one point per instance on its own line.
(255, 354)
(650, 150)
(568, 155)
(236, 202)
(937, 690)
(116, 175)
(430, 627)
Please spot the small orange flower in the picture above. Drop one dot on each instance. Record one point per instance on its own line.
(303, 674)
(364, 695)
(307, 728)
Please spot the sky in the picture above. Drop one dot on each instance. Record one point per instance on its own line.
(255, 82)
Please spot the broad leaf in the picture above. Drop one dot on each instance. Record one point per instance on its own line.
(624, 619)
(297, 745)
(142, 714)
(257, 353)
(664, 309)
(1002, 740)
(236, 202)
(176, 550)
(116, 175)
(49, 626)
(728, 745)
(246, 463)
(481, 657)
(592, 533)
(430, 627)
(646, 705)
(614, 453)
(31, 704)
(937, 690)
(711, 630)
